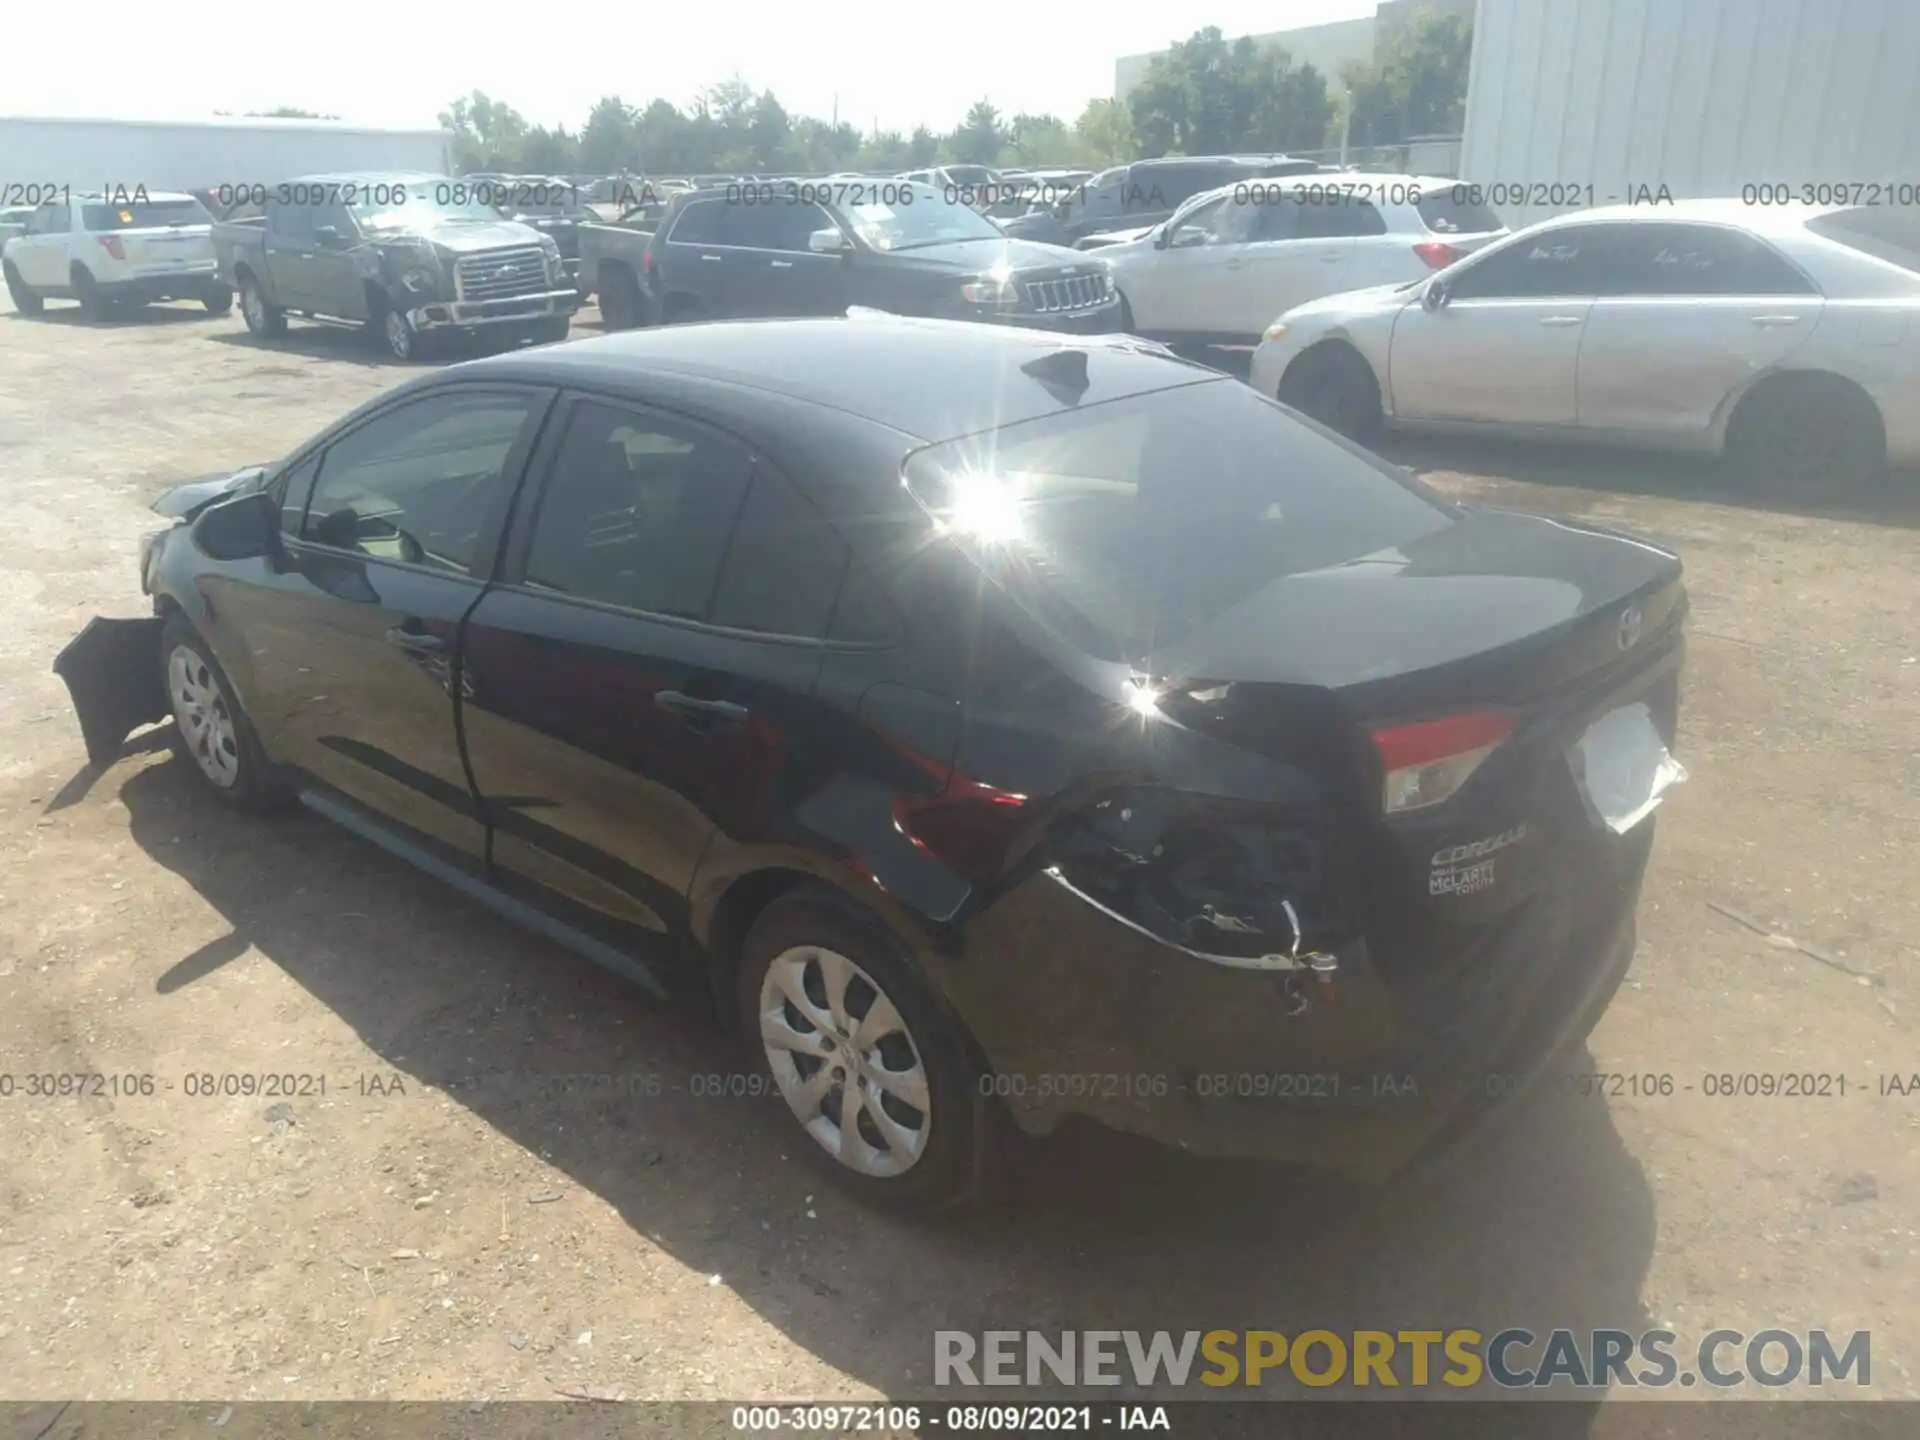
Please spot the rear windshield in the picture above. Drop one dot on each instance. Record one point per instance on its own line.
(1444, 214)
(145, 214)
(1886, 234)
(1132, 524)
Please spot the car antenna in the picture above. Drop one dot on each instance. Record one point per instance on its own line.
(1063, 372)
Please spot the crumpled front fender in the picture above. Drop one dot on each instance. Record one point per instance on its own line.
(112, 671)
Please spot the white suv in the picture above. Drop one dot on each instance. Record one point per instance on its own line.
(1229, 261)
(101, 250)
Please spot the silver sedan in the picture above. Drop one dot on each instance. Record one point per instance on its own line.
(1785, 337)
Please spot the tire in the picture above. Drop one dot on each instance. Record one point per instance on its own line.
(1815, 434)
(389, 329)
(1332, 384)
(94, 307)
(25, 298)
(268, 322)
(623, 305)
(914, 1136)
(1125, 318)
(218, 299)
(212, 735)
(551, 332)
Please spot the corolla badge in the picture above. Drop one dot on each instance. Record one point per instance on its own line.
(1632, 620)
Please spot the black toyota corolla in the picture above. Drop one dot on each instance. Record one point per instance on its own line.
(981, 722)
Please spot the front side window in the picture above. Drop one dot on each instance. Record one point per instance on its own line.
(929, 218)
(1218, 222)
(780, 224)
(637, 512)
(415, 483)
(1568, 261)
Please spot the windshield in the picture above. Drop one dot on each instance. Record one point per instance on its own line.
(919, 215)
(1134, 523)
(422, 202)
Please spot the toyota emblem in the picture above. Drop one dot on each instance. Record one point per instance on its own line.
(1631, 620)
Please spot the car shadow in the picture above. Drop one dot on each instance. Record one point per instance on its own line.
(121, 317)
(1608, 470)
(351, 345)
(1550, 1225)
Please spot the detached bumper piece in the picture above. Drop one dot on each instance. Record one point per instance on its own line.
(112, 671)
(517, 310)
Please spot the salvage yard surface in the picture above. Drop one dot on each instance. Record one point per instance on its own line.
(445, 1221)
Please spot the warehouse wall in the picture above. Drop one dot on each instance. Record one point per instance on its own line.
(1703, 96)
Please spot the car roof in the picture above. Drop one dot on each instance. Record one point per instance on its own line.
(1763, 219)
(377, 177)
(119, 197)
(928, 379)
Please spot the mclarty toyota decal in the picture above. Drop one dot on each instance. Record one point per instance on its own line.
(1464, 869)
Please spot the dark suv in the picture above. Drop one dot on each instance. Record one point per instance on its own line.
(818, 248)
(1145, 193)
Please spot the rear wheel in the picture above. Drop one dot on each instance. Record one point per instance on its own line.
(93, 305)
(1333, 385)
(25, 298)
(620, 299)
(266, 321)
(870, 1065)
(1816, 433)
(218, 299)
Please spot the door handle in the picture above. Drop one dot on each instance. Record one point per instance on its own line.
(1560, 322)
(1773, 320)
(416, 642)
(711, 259)
(782, 265)
(1333, 259)
(690, 707)
(1235, 263)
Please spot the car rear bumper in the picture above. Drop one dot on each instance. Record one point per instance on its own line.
(187, 283)
(1078, 1016)
(473, 314)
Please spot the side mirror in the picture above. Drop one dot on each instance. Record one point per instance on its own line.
(246, 527)
(1435, 295)
(828, 242)
(328, 235)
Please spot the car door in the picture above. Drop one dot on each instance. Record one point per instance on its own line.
(636, 677)
(332, 270)
(40, 254)
(1184, 285)
(694, 269)
(350, 640)
(288, 253)
(1691, 314)
(775, 270)
(1504, 347)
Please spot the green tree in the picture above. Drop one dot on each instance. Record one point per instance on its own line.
(487, 134)
(886, 150)
(1419, 86)
(980, 136)
(770, 134)
(1105, 129)
(549, 152)
(923, 148)
(610, 140)
(1206, 96)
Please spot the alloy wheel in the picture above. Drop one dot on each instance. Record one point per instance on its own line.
(253, 308)
(845, 1061)
(201, 712)
(399, 335)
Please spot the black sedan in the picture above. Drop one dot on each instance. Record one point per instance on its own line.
(981, 722)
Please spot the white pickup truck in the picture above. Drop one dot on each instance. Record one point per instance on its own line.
(104, 250)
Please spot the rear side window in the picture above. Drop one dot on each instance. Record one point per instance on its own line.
(637, 512)
(1885, 234)
(699, 224)
(1135, 523)
(145, 214)
(1441, 213)
(1699, 260)
(784, 566)
(1336, 217)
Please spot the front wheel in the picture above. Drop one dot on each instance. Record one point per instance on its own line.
(396, 334)
(1333, 385)
(870, 1065)
(211, 732)
(552, 331)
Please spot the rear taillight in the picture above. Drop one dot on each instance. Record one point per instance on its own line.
(111, 244)
(646, 258)
(1438, 254)
(1427, 762)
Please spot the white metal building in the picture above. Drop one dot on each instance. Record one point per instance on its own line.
(1703, 96)
(91, 154)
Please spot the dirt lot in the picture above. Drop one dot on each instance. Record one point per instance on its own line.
(434, 1228)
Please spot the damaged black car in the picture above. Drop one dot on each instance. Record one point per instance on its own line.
(986, 725)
